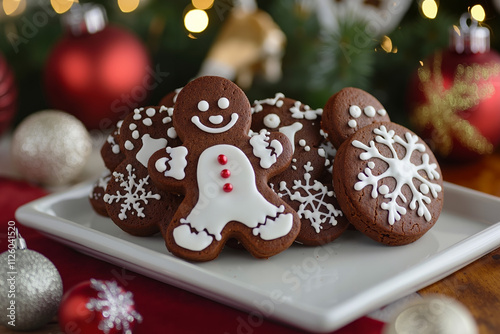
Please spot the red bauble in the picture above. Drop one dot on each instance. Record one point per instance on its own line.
(454, 101)
(96, 307)
(98, 77)
(8, 95)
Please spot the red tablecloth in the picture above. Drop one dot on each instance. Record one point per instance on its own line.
(165, 309)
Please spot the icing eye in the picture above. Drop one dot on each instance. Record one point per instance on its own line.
(203, 105)
(223, 103)
(272, 121)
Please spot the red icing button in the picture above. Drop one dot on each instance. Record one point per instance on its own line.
(225, 173)
(228, 187)
(222, 159)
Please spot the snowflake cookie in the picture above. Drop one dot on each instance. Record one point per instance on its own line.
(306, 185)
(348, 111)
(223, 174)
(133, 202)
(389, 183)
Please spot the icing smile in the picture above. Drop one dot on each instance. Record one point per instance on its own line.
(196, 121)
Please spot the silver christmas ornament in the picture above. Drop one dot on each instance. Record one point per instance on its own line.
(50, 147)
(30, 288)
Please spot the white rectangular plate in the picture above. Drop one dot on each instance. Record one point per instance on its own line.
(314, 288)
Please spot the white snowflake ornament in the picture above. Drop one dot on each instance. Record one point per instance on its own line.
(115, 305)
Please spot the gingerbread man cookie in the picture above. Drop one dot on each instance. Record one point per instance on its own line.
(388, 183)
(133, 202)
(348, 111)
(306, 185)
(223, 173)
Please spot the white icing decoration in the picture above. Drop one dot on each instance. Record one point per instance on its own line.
(128, 145)
(147, 121)
(317, 198)
(302, 142)
(166, 120)
(290, 132)
(275, 101)
(382, 112)
(307, 113)
(137, 117)
(137, 113)
(401, 170)
(203, 127)
(265, 151)
(272, 121)
(171, 133)
(216, 119)
(150, 112)
(223, 103)
(371, 164)
(132, 126)
(161, 164)
(352, 123)
(191, 240)
(177, 162)
(307, 148)
(115, 148)
(135, 134)
(134, 194)
(149, 146)
(215, 208)
(355, 111)
(370, 111)
(203, 105)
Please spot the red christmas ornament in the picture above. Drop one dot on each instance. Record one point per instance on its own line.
(8, 95)
(455, 96)
(97, 72)
(97, 307)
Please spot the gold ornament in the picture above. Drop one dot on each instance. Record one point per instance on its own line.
(249, 42)
(443, 104)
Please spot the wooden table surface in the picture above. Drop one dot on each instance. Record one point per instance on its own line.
(477, 285)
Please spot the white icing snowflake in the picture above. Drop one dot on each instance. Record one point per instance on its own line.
(314, 200)
(115, 305)
(134, 193)
(402, 170)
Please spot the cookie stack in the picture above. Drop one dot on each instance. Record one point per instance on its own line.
(206, 168)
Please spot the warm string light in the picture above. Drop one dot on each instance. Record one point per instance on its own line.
(477, 12)
(202, 4)
(196, 20)
(13, 7)
(128, 6)
(61, 6)
(429, 8)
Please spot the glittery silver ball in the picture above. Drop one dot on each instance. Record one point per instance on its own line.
(50, 147)
(30, 290)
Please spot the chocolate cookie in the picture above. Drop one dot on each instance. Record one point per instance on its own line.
(388, 183)
(96, 196)
(348, 111)
(133, 202)
(306, 185)
(224, 174)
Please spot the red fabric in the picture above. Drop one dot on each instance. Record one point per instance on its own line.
(165, 309)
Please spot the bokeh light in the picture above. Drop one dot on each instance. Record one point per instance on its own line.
(128, 6)
(202, 4)
(196, 20)
(477, 13)
(13, 7)
(429, 9)
(61, 6)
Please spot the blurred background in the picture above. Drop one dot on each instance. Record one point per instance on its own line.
(306, 49)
